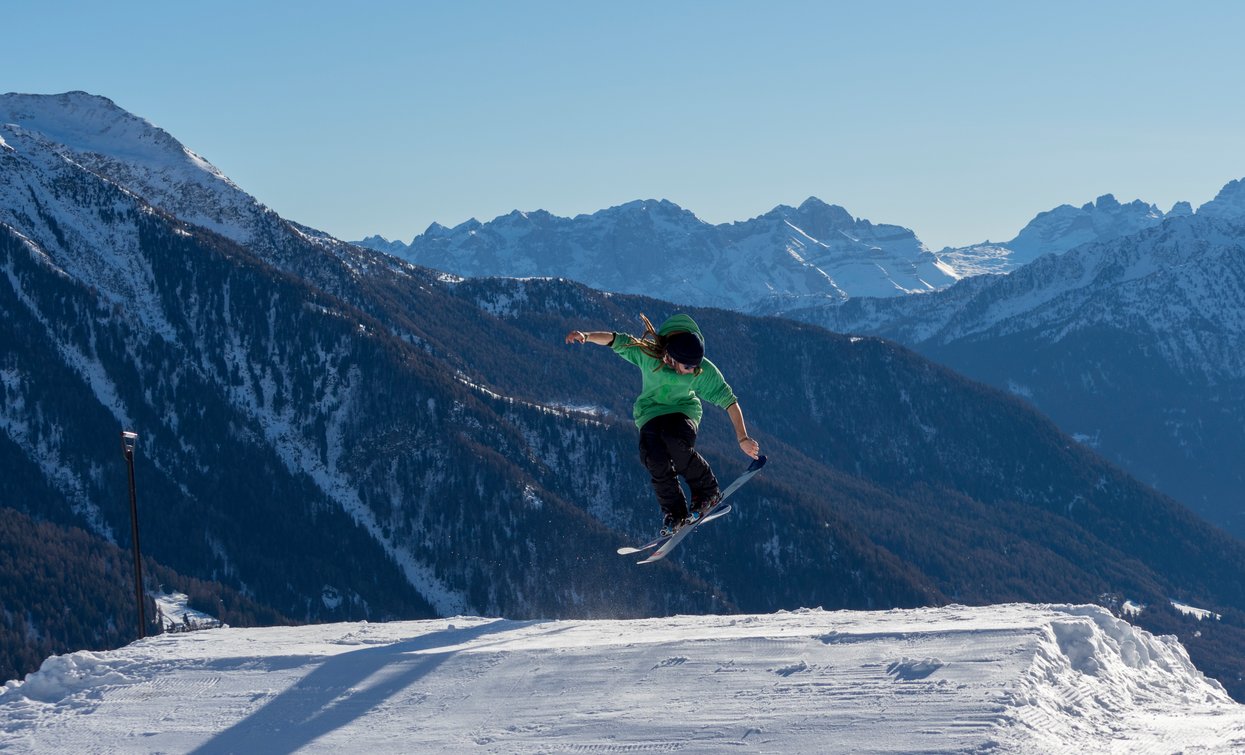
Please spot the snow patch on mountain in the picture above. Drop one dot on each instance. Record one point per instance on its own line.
(176, 615)
(95, 244)
(16, 422)
(286, 430)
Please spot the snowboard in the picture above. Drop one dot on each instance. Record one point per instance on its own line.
(657, 542)
(668, 543)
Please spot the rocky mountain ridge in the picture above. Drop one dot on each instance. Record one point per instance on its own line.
(659, 249)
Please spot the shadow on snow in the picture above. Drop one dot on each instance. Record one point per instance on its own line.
(333, 695)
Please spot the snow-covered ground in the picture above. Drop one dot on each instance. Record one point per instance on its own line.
(1016, 678)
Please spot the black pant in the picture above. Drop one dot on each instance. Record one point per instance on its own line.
(668, 450)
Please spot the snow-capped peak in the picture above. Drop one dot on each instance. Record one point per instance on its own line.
(658, 211)
(436, 230)
(813, 216)
(87, 123)
(822, 220)
(129, 151)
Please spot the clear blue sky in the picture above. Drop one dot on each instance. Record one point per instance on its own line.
(960, 120)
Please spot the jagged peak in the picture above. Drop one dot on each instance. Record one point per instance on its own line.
(1104, 202)
(816, 207)
(813, 212)
(1109, 204)
(1228, 204)
(644, 211)
(524, 217)
(1180, 209)
(813, 203)
(437, 230)
(664, 206)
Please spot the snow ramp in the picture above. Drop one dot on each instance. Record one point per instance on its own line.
(1011, 678)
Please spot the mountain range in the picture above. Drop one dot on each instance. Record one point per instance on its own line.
(1132, 345)
(785, 258)
(338, 434)
(656, 248)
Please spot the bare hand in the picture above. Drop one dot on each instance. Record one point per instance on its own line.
(576, 336)
(750, 447)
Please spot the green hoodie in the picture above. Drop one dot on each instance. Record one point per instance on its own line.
(665, 391)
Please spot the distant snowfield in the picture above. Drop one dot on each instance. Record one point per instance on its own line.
(1015, 678)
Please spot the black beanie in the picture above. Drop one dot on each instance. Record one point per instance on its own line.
(685, 348)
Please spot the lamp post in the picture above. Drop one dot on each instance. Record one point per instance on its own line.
(128, 439)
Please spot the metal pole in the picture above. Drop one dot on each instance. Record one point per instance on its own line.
(128, 440)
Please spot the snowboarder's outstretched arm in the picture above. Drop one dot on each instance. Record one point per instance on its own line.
(599, 337)
(746, 444)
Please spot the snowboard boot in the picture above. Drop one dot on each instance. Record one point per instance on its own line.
(702, 506)
(670, 524)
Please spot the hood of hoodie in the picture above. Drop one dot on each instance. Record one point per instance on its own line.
(677, 323)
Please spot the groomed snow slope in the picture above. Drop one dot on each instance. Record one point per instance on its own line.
(1016, 678)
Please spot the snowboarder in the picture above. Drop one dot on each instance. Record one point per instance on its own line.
(676, 376)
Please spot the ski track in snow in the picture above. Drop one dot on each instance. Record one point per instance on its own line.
(1014, 678)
